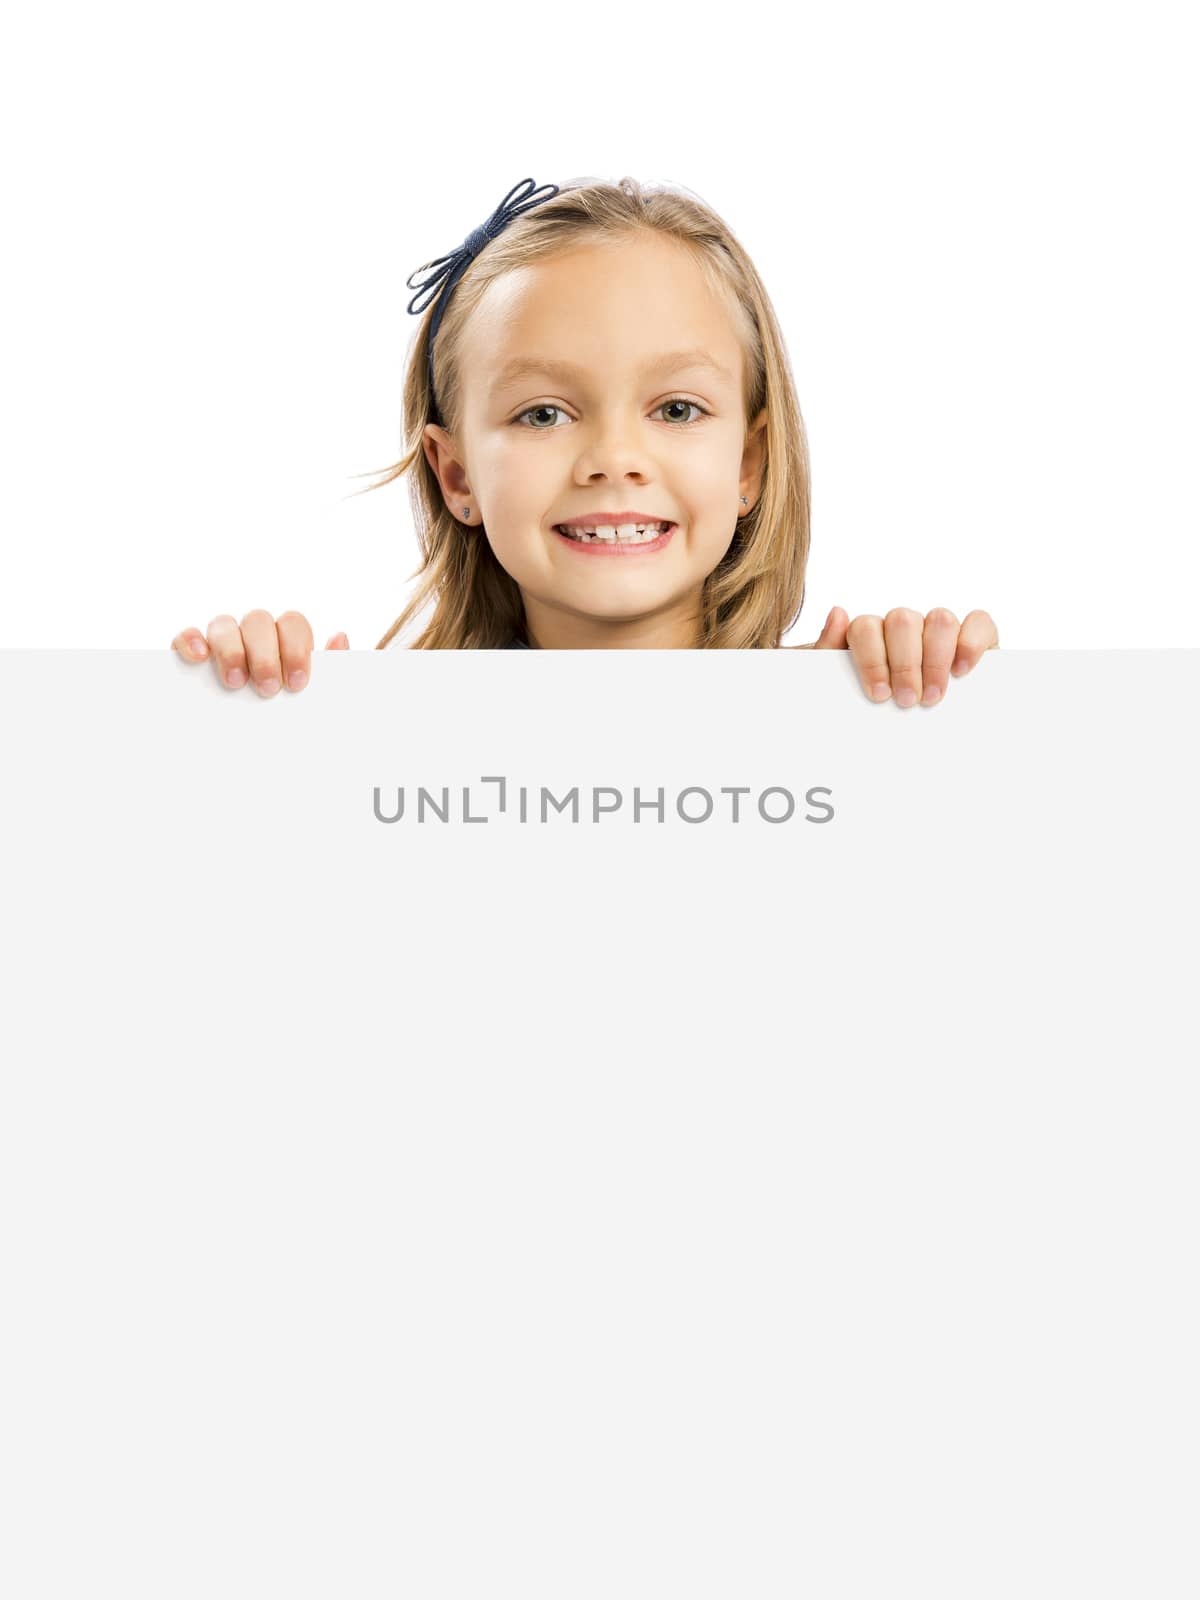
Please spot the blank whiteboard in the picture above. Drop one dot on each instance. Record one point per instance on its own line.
(550, 1196)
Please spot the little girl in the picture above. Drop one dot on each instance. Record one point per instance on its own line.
(672, 511)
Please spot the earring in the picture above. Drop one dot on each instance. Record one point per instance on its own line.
(466, 511)
(743, 499)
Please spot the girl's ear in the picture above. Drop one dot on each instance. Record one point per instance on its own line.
(440, 452)
(753, 456)
(436, 443)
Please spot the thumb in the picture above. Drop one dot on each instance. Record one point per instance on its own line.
(337, 641)
(833, 634)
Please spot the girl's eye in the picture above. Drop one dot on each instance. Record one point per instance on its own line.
(687, 422)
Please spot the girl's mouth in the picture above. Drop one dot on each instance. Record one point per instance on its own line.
(603, 541)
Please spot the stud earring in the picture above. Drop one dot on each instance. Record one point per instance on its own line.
(466, 511)
(743, 499)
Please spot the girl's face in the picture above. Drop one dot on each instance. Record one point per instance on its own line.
(606, 380)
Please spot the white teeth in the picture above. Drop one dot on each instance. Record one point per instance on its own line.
(626, 533)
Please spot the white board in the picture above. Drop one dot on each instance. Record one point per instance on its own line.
(801, 1205)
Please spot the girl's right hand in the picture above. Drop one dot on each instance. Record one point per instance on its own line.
(268, 650)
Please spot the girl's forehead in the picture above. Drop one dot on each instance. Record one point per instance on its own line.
(626, 275)
(607, 305)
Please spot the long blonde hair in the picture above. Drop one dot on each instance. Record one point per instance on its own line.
(756, 592)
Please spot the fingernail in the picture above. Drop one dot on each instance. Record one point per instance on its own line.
(268, 686)
(932, 694)
(197, 646)
(959, 667)
(296, 679)
(906, 696)
(881, 691)
(235, 678)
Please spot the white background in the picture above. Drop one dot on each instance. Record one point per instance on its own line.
(978, 231)
(976, 225)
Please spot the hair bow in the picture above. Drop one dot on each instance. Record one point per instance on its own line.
(450, 268)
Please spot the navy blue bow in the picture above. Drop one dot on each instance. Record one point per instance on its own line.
(451, 268)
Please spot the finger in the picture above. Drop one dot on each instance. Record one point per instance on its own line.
(229, 651)
(337, 641)
(977, 634)
(191, 644)
(295, 648)
(833, 634)
(938, 647)
(262, 651)
(903, 632)
(864, 640)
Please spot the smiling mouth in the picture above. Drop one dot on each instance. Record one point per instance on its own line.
(605, 541)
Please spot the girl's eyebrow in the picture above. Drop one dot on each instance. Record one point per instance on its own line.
(671, 361)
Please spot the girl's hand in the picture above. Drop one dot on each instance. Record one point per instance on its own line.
(269, 650)
(907, 653)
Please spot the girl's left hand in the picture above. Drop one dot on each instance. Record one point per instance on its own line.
(908, 654)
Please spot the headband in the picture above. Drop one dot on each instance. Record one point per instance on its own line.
(451, 267)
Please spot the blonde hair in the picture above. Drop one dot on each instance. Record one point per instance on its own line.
(756, 592)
